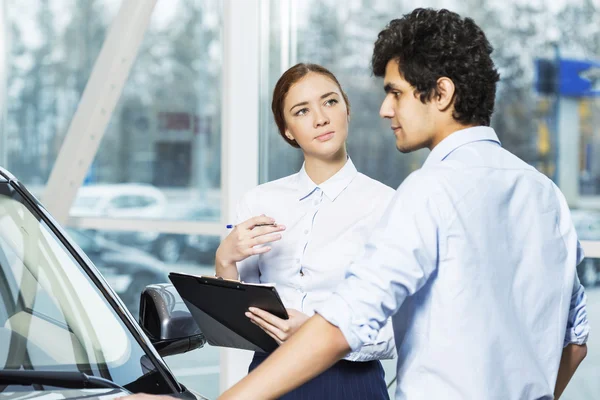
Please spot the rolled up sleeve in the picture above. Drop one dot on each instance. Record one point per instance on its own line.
(398, 260)
(383, 348)
(578, 327)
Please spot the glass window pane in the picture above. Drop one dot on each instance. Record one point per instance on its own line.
(52, 46)
(131, 260)
(527, 114)
(549, 126)
(162, 147)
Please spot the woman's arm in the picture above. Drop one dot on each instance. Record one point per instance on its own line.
(243, 242)
(233, 259)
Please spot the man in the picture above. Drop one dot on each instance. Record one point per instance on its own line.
(475, 258)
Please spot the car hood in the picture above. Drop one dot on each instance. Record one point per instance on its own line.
(65, 394)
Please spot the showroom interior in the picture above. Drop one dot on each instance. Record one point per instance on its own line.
(140, 124)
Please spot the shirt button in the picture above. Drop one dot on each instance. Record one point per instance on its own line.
(306, 231)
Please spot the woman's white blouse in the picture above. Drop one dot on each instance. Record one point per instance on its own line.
(327, 226)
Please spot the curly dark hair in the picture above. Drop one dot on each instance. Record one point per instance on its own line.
(429, 44)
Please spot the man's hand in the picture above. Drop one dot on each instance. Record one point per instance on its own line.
(315, 347)
(279, 329)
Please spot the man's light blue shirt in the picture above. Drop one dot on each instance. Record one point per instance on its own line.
(475, 258)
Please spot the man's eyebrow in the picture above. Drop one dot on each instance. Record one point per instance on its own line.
(389, 87)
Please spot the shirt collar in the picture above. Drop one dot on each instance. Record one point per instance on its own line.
(332, 187)
(458, 139)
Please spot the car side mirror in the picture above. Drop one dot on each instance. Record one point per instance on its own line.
(166, 320)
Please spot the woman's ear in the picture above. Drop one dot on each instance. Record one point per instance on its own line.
(289, 135)
(444, 97)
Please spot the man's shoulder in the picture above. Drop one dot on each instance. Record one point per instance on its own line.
(423, 187)
(424, 180)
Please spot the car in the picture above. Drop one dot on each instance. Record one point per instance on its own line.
(122, 200)
(119, 200)
(133, 200)
(170, 248)
(127, 269)
(173, 247)
(64, 332)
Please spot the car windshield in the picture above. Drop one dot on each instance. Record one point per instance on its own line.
(52, 315)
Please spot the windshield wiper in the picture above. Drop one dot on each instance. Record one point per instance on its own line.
(63, 379)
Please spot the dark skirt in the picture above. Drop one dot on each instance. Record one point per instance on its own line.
(345, 380)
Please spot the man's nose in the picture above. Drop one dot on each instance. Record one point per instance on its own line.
(386, 110)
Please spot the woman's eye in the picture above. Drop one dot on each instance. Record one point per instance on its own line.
(331, 102)
(301, 112)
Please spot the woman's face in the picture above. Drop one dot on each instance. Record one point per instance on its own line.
(316, 116)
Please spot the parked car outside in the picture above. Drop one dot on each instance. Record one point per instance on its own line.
(128, 200)
(119, 200)
(171, 248)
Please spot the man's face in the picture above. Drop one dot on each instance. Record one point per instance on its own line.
(412, 121)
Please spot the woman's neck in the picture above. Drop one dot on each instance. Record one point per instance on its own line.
(319, 170)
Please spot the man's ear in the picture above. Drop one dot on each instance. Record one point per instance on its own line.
(444, 97)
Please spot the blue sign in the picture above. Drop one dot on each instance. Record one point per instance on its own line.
(579, 78)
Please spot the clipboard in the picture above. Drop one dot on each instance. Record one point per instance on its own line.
(218, 306)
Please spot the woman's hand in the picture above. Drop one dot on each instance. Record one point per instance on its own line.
(242, 241)
(279, 329)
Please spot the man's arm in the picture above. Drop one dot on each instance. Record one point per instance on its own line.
(383, 347)
(572, 356)
(576, 335)
(297, 361)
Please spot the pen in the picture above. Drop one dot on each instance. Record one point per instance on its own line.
(229, 226)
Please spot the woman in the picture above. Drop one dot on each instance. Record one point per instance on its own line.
(301, 232)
